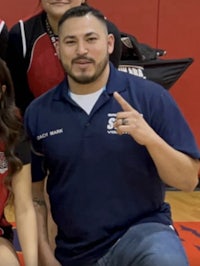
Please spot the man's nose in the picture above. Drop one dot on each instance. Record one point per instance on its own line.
(82, 48)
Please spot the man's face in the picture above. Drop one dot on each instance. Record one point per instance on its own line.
(84, 47)
(56, 8)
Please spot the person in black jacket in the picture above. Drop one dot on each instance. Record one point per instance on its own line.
(31, 57)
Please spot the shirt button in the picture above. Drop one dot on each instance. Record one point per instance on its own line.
(87, 125)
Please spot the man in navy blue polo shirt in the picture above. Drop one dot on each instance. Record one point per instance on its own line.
(108, 142)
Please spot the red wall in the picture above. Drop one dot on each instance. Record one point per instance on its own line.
(13, 10)
(169, 24)
(179, 34)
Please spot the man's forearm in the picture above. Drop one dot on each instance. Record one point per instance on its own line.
(174, 167)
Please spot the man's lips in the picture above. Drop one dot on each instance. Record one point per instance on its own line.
(59, 3)
(82, 61)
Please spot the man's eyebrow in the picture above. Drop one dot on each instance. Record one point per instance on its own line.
(69, 36)
(86, 35)
(91, 33)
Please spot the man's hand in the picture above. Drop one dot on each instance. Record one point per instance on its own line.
(131, 122)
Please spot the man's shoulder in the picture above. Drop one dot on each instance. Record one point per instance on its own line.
(46, 99)
(39, 108)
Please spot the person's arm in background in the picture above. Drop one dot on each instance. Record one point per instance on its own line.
(25, 215)
(18, 66)
(46, 253)
(3, 39)
(39, 173)
(46, 256)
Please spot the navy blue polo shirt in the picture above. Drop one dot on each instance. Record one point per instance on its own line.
(100, 183)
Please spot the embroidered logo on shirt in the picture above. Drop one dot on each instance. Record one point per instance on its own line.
(50, 133)
(110, 125)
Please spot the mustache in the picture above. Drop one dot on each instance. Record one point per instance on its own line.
(78, 58)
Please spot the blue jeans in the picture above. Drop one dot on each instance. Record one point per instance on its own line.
(147, 244)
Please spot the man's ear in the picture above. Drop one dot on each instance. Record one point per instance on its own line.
(111, 43)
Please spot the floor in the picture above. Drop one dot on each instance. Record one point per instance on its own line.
(185, 205)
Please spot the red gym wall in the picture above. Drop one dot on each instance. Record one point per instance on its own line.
(172, 25)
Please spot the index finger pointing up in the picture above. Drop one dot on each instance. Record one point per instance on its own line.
(123, 103)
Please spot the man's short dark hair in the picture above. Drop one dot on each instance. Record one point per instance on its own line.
(81, 11)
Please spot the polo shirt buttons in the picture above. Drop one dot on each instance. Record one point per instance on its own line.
(87, 124)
